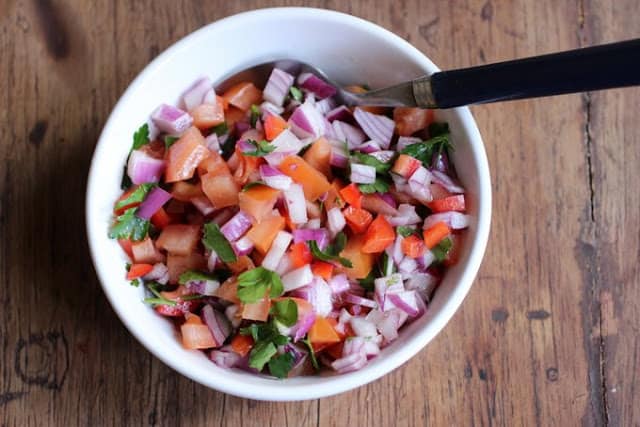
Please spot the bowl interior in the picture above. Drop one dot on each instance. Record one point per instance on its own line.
(351, 51)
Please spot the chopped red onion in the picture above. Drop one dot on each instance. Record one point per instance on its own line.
(384, 286)
(195, 95)
(171, 120)
(156, 198)
(363, 327)
(159, 273)
(339, 157)
(297, 278)
(407, 265)
(440, 162)
(276, 157)
(363, 174)
(203, 287)
(307, 122)
(377, 127)
(419, 183)
(203, 204)
(210, 97)
(369, 147)
(342, 113)
(218, 324)
(384, 155)
(395, 251)
(375, 203)
(423, 283)
(355, 299)
(315, 84)
(274, 178)
(267, 108)
(335, 220)
(324, 106)
(454, 220)
(405, 301)
(349, 134)
(426, 260)
(406, 216)
(241, 127)
(339, 284)
(312, 224)
(349, 363)
(403, 141)
(284, 266)
(212, 260)
(320, 236)
(318, 293)
(277, 86)
(390, 324)
(302, 326)
(236, 226)
(354, 345)
(242, 246)
(143, 168)
(212, 142)
(296, 204)
(446, 181)
(388, 199)
(225, 358)
(232, 315)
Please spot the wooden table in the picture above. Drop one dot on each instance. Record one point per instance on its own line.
(548, 336)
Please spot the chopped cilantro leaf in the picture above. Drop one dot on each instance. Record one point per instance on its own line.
(332, 252)
(135, 282)
(405, 230)
(261, 353)
(312, 353)
(441, 250)
(140, 137)
(137, 196)
(252, 184)
(366, 159)
(254, 284)
(379, 186)
(159, 299)
(169, 141)
(194, 275)
(279, 366)
(129, 226)
(220, 129)
(255, 115)
(214, 240)
(262, 148)
(285, 311)
(295, 93)
(425, 150)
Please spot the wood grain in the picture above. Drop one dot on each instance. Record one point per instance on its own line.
(547, 336)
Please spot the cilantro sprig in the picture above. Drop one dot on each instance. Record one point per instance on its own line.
(129, 226)
(159, 299)
(214, 240)
(137, 196)
(369, 160)
(285, 311)
(255, 115)
(332, 252)
(380, 185)
(194, 275)
(295, 93)
(262, 148)
(441, 250)
(438, 143)
(254, 284)
(280, 365)
(266, 338)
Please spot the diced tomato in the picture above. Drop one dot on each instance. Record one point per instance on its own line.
(241, 264)
(214, 163)
(228, 290)
(233, 115)
(319, 156)
(335, 350)
(197, 337)
(322, 332)
(258, 201)
(206, 116)
(300, 254)
(352, 195)
(181, 308)
(314, 183)
(357, 219)
(185, 155)
(273, 126)
(451, 203)
(410, 120)
(439, 192)
(242, 344)
(221, 189)
(178, 264)
(362, 262)
(179, 239)
(247, 169)
(146, 252)
(413, 246)
(379, 236)
(185, 191)
(262, 234)
(435, 234)
(138, 270)
(160, 219)
(405, 166)
(322, 269)
(126, 244)
(257, 311)
(243, 95)
(456, 249)
(333, 198)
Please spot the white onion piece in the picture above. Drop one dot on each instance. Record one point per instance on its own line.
(363, 327)
(159, 273)
(195, 95)
(171, 120)
(454, 220)
(212, 142)
(447, 182)
(307, 122)
(277, 250)
(231, 313)
(406, 216)
(296, 204)
(242, 246)
(277, 86)
(336, 221)
(297, 278)
(419, 183)
(377, 127)
(423, 283)
(403, 141)
(324, 106)
(267, 108)
(363, 174)
(284, 266)
(143, 168)
(274, 178)
(349, 134)
(406, 301)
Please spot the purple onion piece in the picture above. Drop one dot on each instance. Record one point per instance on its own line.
(156, 198)
(171, 120)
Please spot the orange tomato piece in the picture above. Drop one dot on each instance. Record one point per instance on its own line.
(300, 254)
(322, 332)
(451, 203)
(319, 156)
(233, 115)
(185, 155)
(146, 252)
(263, 233)
(273, 126)
(314, 183)
(357, 219)
(179, 239)
(413, 247)
(258, 201)
(410, 120)
(160, 219)
(362, 262)
(243, 95)
(322, 269)
(352, 195)
(138, 270)
(206, 116)
(228, 290)
(257, 311)
(242, 344)
(197, 336)
(221, 189)
(380, 235)
(185, 191)
(435, 234)
(214, 163)
(126, 244)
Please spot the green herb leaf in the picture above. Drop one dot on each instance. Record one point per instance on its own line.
(194, 275)
(425, 150)
(438, 128)
(405, 230)
(312, 353)
(332, 252)
(254, 284)
(295, 93)
(367, 282)
(366, 159)
(159, 299)
(262, 148)
(387, 266)
(280, 365)
(140, 137)
(214, 240)
(253, 184)
(137, 196)
(135, 283)
(379, 186)
(220, 129)
(129, 226)
(125, 182)
(441, 250)
(255, 115)
(261, 353)
(169, 141)
(285, 311)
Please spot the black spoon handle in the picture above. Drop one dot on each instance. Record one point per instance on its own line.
(599, 67)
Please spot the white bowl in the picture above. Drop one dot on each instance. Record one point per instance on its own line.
(350, 50)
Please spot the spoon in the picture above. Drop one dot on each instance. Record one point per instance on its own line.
(593, 68)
